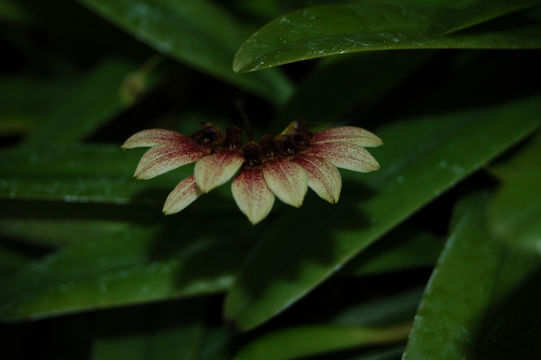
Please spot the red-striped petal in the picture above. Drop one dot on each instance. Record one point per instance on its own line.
(345, 156)
(156, 137)
(252, 195)
(323, 177)
(161, 159)
(182, 195)
(287, 180)
(350, 134)
(217, 169)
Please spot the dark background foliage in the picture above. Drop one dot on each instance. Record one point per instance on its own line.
(445, 238)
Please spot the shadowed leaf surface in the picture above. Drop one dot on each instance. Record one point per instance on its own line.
(438, 151)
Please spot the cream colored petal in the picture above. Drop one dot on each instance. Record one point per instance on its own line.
(161, 159)
(350, 134)
(252, 194)
(287, 180)
(323, 177)
(182, 195)
(156, 137)
(345, 156)
(216, 169)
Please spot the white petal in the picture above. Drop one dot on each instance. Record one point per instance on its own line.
(252, 194)
(350, 134)
(287, 180)
(182, 195)
(345, 156)
(216, 169)
(156, 137)
(323, 177)
(161, 159)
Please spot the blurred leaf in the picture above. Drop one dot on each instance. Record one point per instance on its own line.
(137, 262)
(170, 331)
(110, 87)
(12, 11)
(335, 88)
(11, 261)
(515, 210)
(196, 32)
(422, 158)
(381, 25)
(308, 340)
(24, 100)
(216, 344)
(385, 311)
(404, 248)
(77, 173)
(481, 301)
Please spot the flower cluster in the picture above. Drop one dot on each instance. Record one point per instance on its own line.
(284, 165)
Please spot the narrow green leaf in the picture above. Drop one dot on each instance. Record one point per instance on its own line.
(481, 300)
(404, 248)
(170, 331)
(515, 210)
(105, 91)
(318, 339)
(383, 25)
(390, 310)
(421, 158)
(196, 32)
(136, 262)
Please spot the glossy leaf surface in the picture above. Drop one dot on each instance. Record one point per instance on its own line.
(383, 25)
(133, 262)
(438, 151)
(479, 291)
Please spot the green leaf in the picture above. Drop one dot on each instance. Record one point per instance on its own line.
(105, 91)
(383, 25)
(135, 261)
(81, 173)
(422, 158)
(515, 210)
(390, 310)
(404, 248)
(318, 339)
(196, 32)
(481, 301)
(170, 331)
(24, 100)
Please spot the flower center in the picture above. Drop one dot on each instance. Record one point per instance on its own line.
(295, 139)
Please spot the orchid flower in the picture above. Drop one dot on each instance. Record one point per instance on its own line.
(283, 166)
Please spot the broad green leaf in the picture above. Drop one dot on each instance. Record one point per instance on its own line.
(515, 210)
(171, 331)
(105, 91)
(421, 158)
(216, 344)
(196, 32)
(77, 173)
(481, 300)
(404, 248)
(309, 340)
(383, 25)
(335, 88)
(12, 11)
(137, 262)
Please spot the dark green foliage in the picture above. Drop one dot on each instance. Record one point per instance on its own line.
(434, 256)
